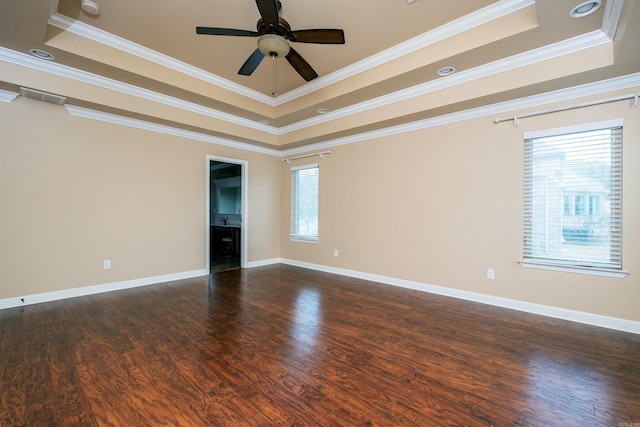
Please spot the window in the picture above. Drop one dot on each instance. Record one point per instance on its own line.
(594, 205)
(579, 205)
(304, 202)
(567, 205)
(572, 198)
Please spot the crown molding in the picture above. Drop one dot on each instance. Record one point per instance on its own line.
(591, 89)
(482, 16)
(565, 47)
(7, 96)
(611, 18)
(545, 53)
(168, 130)
(493, 11)
(29, 61)
(487, 14)
(99, 36)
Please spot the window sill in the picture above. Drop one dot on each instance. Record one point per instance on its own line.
(594, 271)
(304, 239)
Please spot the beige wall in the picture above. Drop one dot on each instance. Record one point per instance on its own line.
(75, 192)
(439, 206)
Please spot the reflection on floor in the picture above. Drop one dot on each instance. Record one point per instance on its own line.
(224, 263)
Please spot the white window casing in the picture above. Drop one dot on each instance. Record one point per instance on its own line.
(304, 203)
(573, 199)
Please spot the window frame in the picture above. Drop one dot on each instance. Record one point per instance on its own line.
(566, 265)
(294, 232)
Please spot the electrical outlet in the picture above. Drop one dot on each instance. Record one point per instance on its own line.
(107, 264)
(335, 252)
(491, 274)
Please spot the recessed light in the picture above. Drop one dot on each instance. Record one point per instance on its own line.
(41, 54)
(445, 71)
(89, 7)
(585, 8)
(264, 122)
(323, 110)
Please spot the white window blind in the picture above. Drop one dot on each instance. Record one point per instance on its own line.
(573, 199)
(304, 202)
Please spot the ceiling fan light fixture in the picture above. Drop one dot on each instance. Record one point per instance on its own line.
(273, 45)
(585, 8)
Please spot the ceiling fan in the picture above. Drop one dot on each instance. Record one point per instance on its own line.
(274, 35)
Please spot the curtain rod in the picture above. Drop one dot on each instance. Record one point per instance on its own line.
(516, 119)
(307, 155)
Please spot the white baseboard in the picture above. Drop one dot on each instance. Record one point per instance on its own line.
(543, 310)
(264, 262)
(96, 289)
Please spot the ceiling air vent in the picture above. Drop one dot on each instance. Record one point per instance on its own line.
(42, 96)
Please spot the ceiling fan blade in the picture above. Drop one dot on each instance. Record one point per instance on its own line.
(324, 36)
(269, 12)
(251, 63)
(300, 65)
(225, 32)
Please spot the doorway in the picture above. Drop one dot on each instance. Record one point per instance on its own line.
(226, 213)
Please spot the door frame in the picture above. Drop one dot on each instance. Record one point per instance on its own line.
(244, 166)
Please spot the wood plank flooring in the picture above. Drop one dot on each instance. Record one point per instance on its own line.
(285, 346)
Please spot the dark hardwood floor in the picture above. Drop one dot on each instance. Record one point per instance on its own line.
(285, 346)
(224, 263)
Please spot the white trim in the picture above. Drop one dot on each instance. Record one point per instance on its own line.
(567, 268)
(492, 12)
(543, 310)
(307, 166)
(127, 89)
(590, 89)
(294, 202)
(264, 262)
(301, 239)
(565, 47)
(539, 309)
(244, 238)
(575, 44)
(169, 130)
(583, 127)
(97, 289)
(99, 36)
(8, 96)
(611, 17)
(451, 29)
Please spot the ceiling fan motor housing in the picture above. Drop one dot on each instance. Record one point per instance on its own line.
(282, 29)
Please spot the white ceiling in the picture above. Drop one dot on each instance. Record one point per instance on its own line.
(144, 60)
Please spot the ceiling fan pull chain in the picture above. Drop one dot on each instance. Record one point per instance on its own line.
(275, 76)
